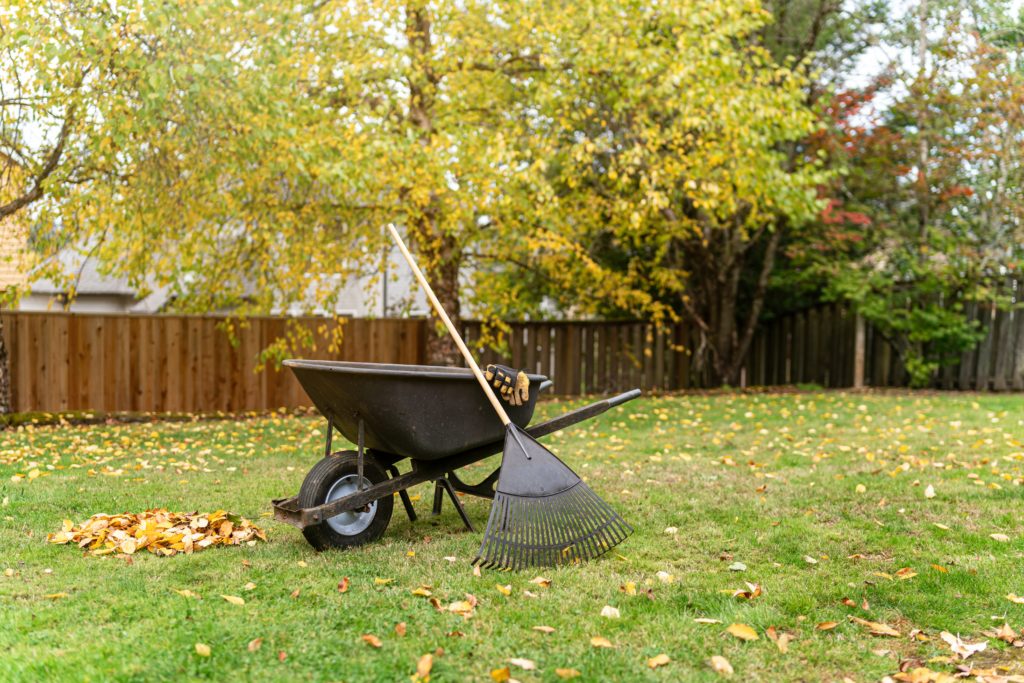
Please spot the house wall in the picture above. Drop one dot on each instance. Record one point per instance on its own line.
(84, 303)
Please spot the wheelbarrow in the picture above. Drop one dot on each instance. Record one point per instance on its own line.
(436, 417)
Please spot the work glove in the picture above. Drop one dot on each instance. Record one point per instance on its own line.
(513, 386)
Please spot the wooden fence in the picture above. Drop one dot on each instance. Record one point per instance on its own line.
(142, 363)
(818, 346)
(109, 363)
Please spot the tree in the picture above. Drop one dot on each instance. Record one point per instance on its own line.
(670, 172)
(925, 218)
(252, 152)
(55, 63)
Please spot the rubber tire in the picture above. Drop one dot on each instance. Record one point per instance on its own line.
(318, 483)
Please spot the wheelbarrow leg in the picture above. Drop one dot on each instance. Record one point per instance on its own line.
(404, 495)
(440, 486)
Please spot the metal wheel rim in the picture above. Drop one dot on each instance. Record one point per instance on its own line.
(350, 523)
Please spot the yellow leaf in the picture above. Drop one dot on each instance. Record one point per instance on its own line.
(541, 581)
(202, 650)
(422, 592)
(827, 625)
(381, 582)
(372, 640)
(658, 660)
(423, 667)
(742, 631)
(55, 596)
(504, 590)
(876, 628)
(544, 629)
(186, 593)
(629, 588)
(1013, 597)
(255, 644)
(600, 641)
(501, 675)
(234, 599)
(249, 586)
(721, 665)
(567, 673)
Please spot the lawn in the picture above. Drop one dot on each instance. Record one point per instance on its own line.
(903, 510)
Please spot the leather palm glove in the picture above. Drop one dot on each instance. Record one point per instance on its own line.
(513, 386)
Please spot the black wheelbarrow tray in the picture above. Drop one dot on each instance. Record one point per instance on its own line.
(437, 417)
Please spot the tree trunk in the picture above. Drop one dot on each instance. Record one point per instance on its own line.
(442, 258)
(6, 405)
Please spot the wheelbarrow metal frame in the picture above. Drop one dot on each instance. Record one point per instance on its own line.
(287, 510)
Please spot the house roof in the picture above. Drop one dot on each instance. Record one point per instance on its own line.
(89, 280)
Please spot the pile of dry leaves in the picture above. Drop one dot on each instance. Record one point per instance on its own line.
(159, 531)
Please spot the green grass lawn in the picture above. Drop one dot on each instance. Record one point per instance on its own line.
(819, 498)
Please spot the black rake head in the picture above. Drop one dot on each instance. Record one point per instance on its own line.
(543, 514)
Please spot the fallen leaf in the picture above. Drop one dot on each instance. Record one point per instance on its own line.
(501, 675)
(295, 593)
(876, 628)
(610, 612)
(905, 573)
(737, 567)
(282, 655)
(55, 596)
(202, 650)
(929, 491)
(255, 644)
(504, 590)
(940, 526)
(961, 648)
(753, 590)
(400, 628)
(861, 488)
(671, 530)
(567, 673)
(1006, 633)
(600, 641)
(1013, 597)
(658, 660)
(706, 620)
(463, 608)
(544, 629)
(525, 664)
(1002, 538)
(721, 665)
(742, 631)
(250, 586)
(423, 667)
(541, 581)
(629, 588)
(186, 593)
(234, 599)
(372, 640)
(810, 560)
(343, 585)
(422, 592)
(476, 570)
(381, 582)
(665, 577)
(781, 640)
(8, 572)
(827, 625)
(302, 563)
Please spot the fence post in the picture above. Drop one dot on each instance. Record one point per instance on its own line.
(859, 349)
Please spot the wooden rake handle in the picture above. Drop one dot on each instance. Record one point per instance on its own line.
(498, 408)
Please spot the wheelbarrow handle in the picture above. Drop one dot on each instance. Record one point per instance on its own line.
(623, 398)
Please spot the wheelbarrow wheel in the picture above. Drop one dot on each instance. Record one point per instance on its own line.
(337, 476)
